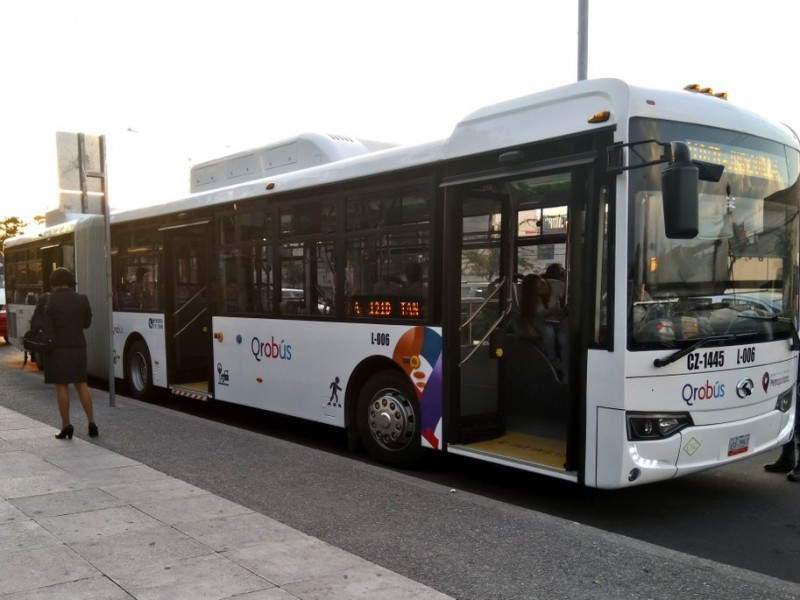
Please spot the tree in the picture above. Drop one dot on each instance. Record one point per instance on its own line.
(9, 227)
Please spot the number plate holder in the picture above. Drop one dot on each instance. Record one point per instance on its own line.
(738, 444)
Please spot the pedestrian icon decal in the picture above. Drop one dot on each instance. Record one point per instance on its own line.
(335, 389)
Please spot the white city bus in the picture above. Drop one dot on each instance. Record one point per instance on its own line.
(378, 289)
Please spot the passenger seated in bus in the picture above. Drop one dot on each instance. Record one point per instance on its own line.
(415, 286)
(390, 285)
(124, 296)
(138, 291)
(557, 311)
(232, 299)
(539, 322)
(555, 274)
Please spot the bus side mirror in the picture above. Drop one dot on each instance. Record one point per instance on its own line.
(679, 186)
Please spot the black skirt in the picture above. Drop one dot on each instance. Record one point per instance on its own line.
(65, 365)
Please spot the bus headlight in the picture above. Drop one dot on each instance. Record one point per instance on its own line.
(784, 402)
(653, 426)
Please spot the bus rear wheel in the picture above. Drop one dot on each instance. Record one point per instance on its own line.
(138, 370)
(388, 419)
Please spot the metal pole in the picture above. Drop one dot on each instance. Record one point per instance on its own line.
(82, 173)
(109, 280)
(583, 38)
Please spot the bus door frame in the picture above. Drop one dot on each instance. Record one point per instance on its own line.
(492, 422)
(197, 233)
(588, 165)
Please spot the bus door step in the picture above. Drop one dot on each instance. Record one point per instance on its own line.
(195, 391)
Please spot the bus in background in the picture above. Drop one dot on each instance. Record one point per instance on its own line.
(78, 245)
(384, 290)
(3, 319)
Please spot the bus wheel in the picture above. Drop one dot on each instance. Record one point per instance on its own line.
(388, 419)
(138, 370)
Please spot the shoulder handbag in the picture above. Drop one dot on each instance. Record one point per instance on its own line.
(40, 337)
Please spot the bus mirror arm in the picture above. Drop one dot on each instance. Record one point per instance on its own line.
(671, 153)
(679, 182)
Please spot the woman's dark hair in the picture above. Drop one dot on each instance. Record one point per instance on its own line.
(62, 277)
(554, 271)
(528, 295)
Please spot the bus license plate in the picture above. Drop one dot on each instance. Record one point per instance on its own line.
(738, 444)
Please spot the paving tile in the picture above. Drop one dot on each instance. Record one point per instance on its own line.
(210, 577)
(48, 444)
(18, 487)
(118, 555)
(95, 460)
(9, 512)
(197, 508)
(8, 446)
(368, 581)
(25, 464)
(156, 490)
(40, 567)
(24, 535)
(94, 524)
(238, 531)
(274, 593)
(132, 474)
(64, 503)
(22, 433)
(93, 588)
(294, 559)
(18, 421)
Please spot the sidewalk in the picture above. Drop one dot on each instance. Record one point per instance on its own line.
(79, 521)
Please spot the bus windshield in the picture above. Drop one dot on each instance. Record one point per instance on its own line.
(739, 276)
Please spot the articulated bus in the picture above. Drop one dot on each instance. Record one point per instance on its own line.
(386, 290)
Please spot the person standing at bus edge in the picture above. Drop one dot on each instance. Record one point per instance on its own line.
(787, 462)
(66, 363)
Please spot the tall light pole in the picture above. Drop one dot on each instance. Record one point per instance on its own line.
(583, 38)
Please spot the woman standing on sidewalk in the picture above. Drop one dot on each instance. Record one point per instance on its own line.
(66, 363)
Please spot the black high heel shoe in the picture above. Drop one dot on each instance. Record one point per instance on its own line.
(93, 430)
(66, 433)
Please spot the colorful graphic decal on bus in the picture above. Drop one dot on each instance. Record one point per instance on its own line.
(419, 354)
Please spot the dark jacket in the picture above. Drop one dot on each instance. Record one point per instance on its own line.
(71, 314)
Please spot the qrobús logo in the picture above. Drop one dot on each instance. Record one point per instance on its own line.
(270, 349)
(706, 391)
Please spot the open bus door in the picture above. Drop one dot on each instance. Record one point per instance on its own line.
(188, 313)
(480, 301)
(513, 401)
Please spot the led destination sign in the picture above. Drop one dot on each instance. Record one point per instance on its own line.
(389, 307)
(737, 160)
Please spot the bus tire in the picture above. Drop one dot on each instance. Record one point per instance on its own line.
(139, 370)
(389, 420)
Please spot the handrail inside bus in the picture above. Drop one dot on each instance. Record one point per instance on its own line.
(202, 290)
(192, 320)
(497, 289)
(494, 326)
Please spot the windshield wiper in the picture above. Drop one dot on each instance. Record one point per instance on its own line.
(663, 362)
(778, 319)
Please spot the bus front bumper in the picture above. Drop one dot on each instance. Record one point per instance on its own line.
(702, 447)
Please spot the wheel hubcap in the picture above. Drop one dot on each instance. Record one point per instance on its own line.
(391, 419)
(139, 371)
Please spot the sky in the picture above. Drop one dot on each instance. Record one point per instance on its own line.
(171, 83)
